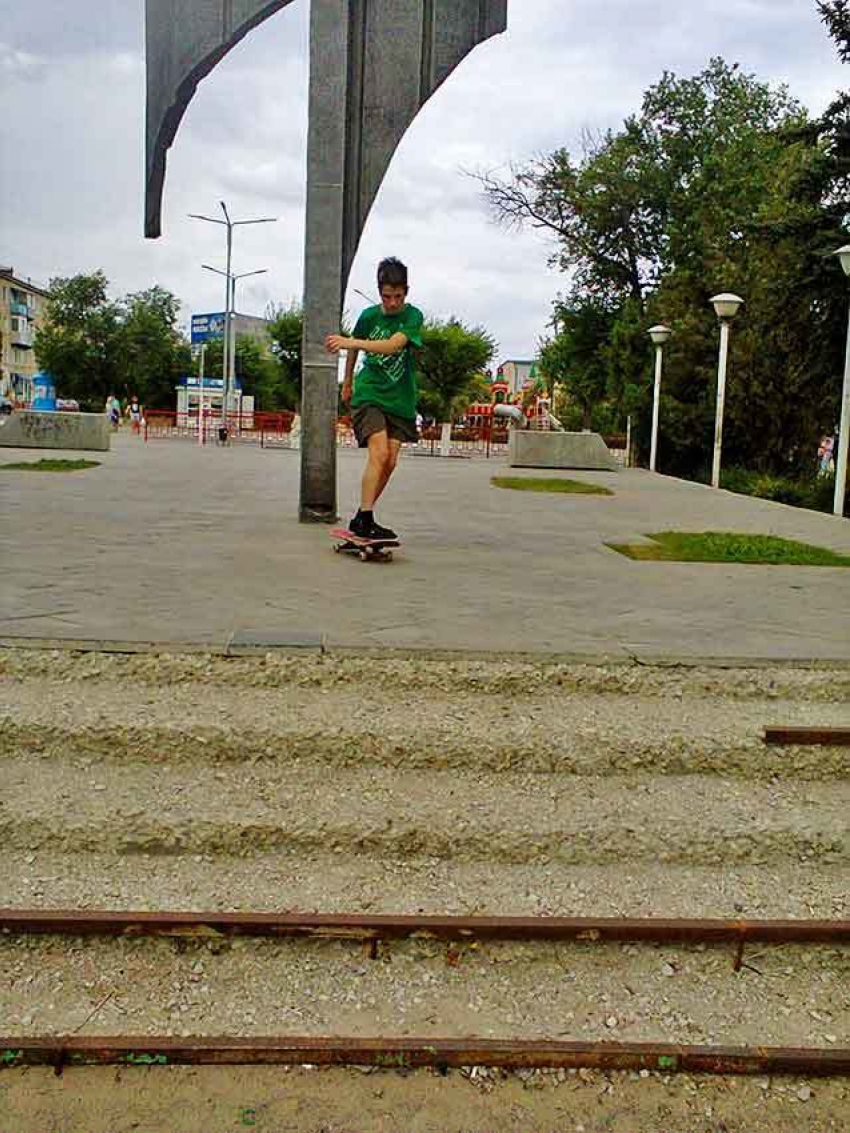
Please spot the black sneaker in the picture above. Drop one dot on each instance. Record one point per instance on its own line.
(360, 526)
(378, 532)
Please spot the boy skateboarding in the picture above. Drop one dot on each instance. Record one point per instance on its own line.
(383, 394)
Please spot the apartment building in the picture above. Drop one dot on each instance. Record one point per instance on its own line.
(21, 308)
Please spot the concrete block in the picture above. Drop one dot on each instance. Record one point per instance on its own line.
(532, 449)
(28, 428)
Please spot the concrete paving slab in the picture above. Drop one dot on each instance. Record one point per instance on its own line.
(168, 542)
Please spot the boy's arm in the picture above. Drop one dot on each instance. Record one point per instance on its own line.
(394, 345)
(348, 381)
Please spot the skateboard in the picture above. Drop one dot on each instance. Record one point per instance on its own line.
(374, 550)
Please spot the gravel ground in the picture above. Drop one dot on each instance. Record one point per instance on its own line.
(356, 784)
(510, 818)
(276, 1099)
(786, 996)
(281, 882)
(277, 670)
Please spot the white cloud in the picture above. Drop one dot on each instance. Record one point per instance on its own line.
(73, 125)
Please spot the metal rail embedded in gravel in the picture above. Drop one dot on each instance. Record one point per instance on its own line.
(407, 1053)
(85, 922)
(835, 737)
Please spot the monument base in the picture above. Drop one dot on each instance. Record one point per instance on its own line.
(30, 428)
(531, 449)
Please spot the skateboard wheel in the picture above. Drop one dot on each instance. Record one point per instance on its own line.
(364, 556)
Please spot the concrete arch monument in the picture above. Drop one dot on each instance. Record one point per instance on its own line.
(373, 65)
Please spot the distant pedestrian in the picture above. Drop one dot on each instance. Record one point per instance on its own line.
(134, 412)
(113, 410)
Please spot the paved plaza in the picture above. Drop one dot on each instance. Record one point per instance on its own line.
(169, 542)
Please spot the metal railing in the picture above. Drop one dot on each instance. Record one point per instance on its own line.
(275, 430)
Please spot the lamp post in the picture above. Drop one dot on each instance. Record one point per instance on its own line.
(201, 380)
(228, 361)
(726, 307)
(844, 426)
(660, 335)
(230, 225)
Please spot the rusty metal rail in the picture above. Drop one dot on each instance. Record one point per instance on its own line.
(84, 922)
(836, 737)
(407, 1053)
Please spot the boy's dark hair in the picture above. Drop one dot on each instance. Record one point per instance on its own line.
(392, 273)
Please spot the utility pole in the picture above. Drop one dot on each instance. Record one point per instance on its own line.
(229, 345)
(229, 335)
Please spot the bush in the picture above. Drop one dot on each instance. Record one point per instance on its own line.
(813, 492)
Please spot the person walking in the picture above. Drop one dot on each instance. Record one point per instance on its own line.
(134, 412)
(383, 393)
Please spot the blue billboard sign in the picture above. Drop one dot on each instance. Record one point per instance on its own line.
(207, 327)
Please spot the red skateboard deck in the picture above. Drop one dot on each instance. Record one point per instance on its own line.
(349, 543)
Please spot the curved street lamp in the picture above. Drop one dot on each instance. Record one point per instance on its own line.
(660, 335)
(844, 427)
(726, 307)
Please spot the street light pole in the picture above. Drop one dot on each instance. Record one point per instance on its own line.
(726, 306)
(844, 426)
(201, 380)
(229, 343)
(226, 372)
(659, 335)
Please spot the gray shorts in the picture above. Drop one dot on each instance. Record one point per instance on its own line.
(369, 419)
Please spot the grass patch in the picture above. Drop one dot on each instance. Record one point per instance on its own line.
(51, 465)
(729, 547)
(549, 484)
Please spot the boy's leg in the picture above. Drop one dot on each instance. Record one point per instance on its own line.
(394, 448)
(383, 457)
(374, 476)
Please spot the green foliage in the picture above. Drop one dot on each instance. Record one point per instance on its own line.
(730, 547)
(258, 374)
(93, 346)
(286, 327)
(153, 355)
(836, 16)
(719, 183)
(450, 364)
(145, 1059)
(549, 484)
(51, 465)
(575, 358)
(78, 343)
(814, 492)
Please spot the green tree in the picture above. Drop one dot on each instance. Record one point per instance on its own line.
(94, 346)
(836, 16)
(78, 340)
(449, 365)
(257, 373)
(575, 356)
(721, 182)
(152, 353)
(286, 328)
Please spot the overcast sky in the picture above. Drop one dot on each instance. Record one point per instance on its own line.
(72, 145)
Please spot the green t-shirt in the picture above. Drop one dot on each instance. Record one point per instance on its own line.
(388, 380)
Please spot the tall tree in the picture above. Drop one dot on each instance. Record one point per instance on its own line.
(286, 328)
(152, 353)
(78, 340)
(575, 356)
(94, 346)
(836, 16)
(721, 182)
